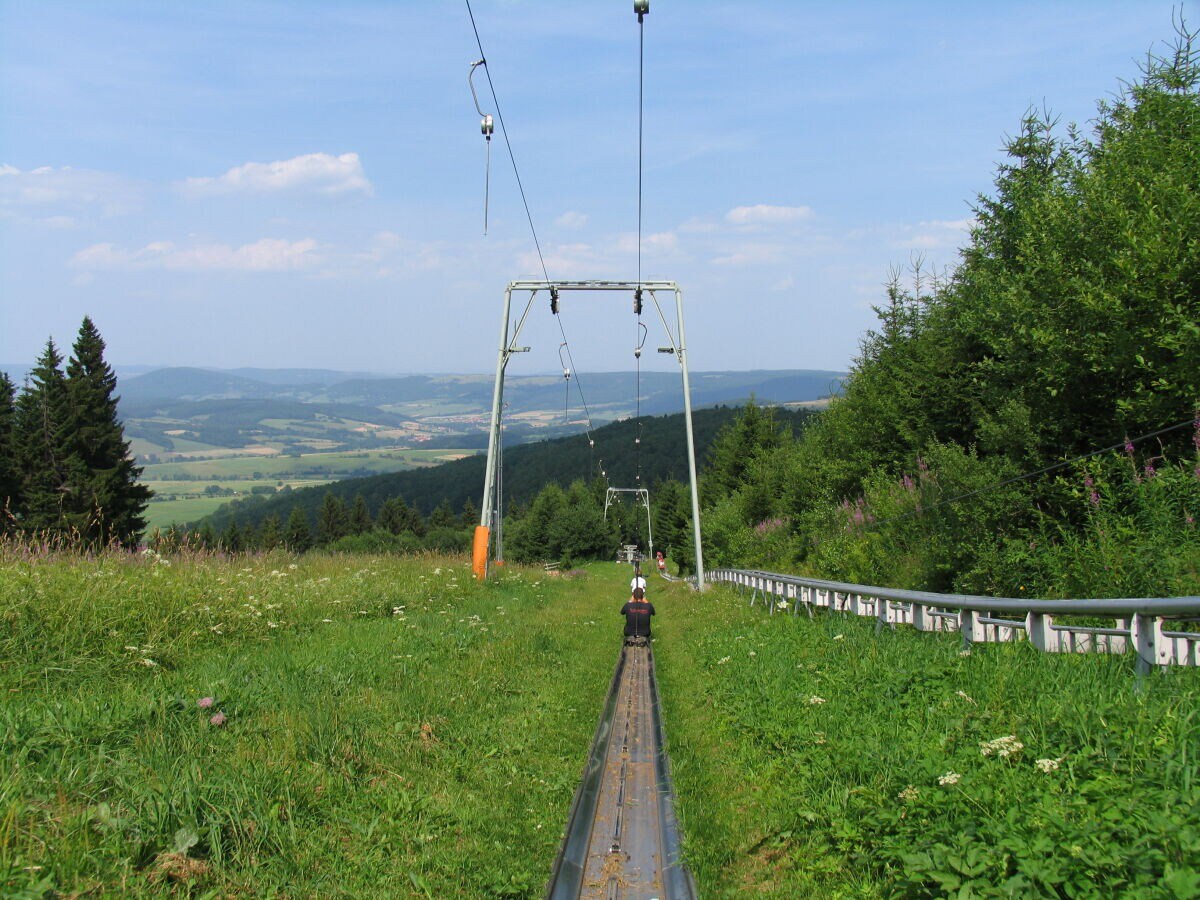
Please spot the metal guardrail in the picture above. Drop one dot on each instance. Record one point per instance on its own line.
(1141, 625)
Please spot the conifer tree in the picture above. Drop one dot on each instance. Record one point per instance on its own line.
(442, 516)
(269, 537)
(297, 536)
(41, 413)
(207, 536)
(333, 520)
(393, 515)
(360, 516)
(105, 498)
(231, 538)
(470, 514)
(9, 480)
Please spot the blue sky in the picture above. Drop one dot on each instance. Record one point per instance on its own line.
(301, 184)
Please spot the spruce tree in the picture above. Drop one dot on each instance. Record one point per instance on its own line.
(333, 521)
(393, 515)
(41, 413)
(297, 535)
(442, 516)
(10, 496)
(360, 516)
(231, 538)
(470, 514)
(269, 537)
(106, 499)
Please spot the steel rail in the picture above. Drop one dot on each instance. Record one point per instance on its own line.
(622, 838)
(1141, 623)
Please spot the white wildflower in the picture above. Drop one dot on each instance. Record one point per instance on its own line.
(949, 778)
(963, 694)
(1046, 766)
(909, 794)
(723, 660)
(753, 653)
(1003, 747)
(814, 700)
(782, 604)
(149, 663)
(838, 637)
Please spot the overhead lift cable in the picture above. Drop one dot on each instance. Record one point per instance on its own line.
(486, 126)
(507, 143)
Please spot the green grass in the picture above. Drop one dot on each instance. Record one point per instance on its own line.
(807, 757)
(167, 512)
(393, 728)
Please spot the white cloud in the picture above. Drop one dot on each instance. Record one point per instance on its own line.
(662, 242)
(266, 255)
(320, 173)
(752, 255)
(571, 219)
(65, 188)
(762, 214)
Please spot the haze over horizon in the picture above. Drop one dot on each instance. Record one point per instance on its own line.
(301, 187)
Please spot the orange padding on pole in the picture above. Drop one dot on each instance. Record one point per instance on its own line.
(479, 551)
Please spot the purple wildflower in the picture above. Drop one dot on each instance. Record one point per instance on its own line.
(218, 719)
(1196, 434)
(1150, 470)
(908, 483)
(204, 702)
(1128, 448)
(1087, 481)
(921, 464)
(1095, 498)
(1190, 519)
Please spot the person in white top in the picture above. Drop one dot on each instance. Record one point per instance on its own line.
(638, 581)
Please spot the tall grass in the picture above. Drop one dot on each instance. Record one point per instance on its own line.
(278, 725)
(814, 758)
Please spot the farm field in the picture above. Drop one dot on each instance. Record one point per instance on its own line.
(180, 486)
(385, 727)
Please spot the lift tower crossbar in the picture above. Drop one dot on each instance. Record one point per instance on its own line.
(677, 346)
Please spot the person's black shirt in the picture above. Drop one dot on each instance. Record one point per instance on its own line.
(637, 615)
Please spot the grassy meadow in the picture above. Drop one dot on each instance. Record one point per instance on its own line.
(385, 727)
(380, 726)
(814, 758)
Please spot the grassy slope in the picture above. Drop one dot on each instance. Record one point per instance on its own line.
(434, 751)
(429, 752)
(786, 796)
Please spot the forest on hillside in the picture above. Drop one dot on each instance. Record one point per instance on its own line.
(1029, 422)
(561, 480)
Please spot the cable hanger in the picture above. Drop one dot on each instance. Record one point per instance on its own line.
(487, 128)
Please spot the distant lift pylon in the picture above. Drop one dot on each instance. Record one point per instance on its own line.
(612, 496)
(677, 346)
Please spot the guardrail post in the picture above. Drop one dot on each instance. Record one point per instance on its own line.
(972, 630)
(1041, 633)
(1146, 633)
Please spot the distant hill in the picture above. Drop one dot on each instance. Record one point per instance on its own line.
(199, 410)
(527, 468)
(193, 384)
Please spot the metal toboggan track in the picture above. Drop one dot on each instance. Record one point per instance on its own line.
(622, 838)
